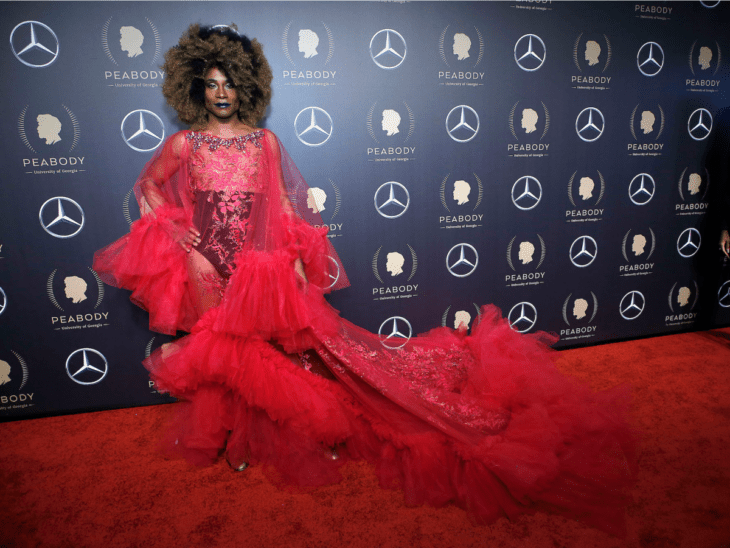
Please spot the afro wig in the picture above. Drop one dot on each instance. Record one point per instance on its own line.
(203, 48)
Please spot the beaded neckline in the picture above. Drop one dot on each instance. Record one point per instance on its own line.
(198, 139)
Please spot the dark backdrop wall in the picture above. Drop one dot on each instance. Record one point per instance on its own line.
(564, 161)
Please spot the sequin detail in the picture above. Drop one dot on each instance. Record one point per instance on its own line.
(435, 375)
(239, 141)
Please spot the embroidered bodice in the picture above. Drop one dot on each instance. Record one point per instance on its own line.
(223, 180)
(224, 164)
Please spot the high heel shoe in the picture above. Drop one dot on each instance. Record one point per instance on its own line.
(236, 466)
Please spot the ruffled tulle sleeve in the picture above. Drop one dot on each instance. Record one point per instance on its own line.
(149, 260)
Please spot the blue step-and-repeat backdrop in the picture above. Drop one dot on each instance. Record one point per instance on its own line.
(565, 161)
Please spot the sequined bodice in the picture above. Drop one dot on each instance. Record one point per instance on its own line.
(223, 180)
(224, 165)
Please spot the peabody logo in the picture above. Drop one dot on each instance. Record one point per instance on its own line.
(61, 217)
(462, 317)
(81, 310)
(526, 193)
(647, 125)
(589, 124)
(582, 313)
(131, 42)
(462, 123)
(310, 44)
(682, 301)
(632, 305)
(693, 187)
(583, 251)
(388, 49)
(9, 377)
(704, 61)
(461, 47)
(650, 59)
(462, 260)
(532, 127)
(313, 126)
(634, 247)
(394, 263)
(86, 366)
(391, 199)
(641, 189)
(51, 126)
(143, 130)
(74, 289)
(723, 295)
(395, 332)
(13, 378)
(522, 317)
(689, 242)
(587, 57)
(318, 201)
(528, 265)
(588, 192)
(3, 301)
(530, 52)
(699, 124)
(392, 126)
(466, 194)
(34, 44)
(395, 266)
(580, 308)
(526, 253)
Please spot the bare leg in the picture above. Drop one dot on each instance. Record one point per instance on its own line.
(206, 283)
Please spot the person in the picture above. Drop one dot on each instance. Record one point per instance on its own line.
(271, 375)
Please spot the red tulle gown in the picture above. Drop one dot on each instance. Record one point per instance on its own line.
(273, 375)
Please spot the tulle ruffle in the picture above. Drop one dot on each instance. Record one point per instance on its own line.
(150, 262)
(565, 449)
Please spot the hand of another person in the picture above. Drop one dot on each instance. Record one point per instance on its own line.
(725, 243)
(190, 240)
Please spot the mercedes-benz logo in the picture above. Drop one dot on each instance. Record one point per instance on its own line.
(391, 199)
(3, 301)
(388, 49)
(526, 192)
(650, 59)
(632, 305)
(313, 126)
(723, 295)
(642, 188)
(710, 5)
(462, 260)
(61, 217)
(522, 317)
(143, 130)
(86, 366)
(34, 44)
(395, 332)
(689, 242)
(530, 52)
(589, 124)
(583, 251)
(699, 124)
(333, 277)
(462, 123)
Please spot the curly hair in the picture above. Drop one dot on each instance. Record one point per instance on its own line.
(203, 48)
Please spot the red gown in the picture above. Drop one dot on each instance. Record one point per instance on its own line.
(271, 373)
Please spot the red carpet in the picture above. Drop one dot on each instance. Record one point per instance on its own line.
(95, 479)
